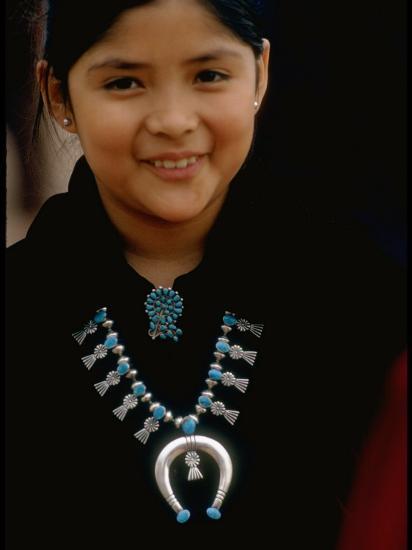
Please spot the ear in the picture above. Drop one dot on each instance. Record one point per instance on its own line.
(263, 72)
(51, 91)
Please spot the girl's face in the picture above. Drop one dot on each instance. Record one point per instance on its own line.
(169, 84)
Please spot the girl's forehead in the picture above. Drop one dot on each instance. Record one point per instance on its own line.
(166, 19)
(167, 28)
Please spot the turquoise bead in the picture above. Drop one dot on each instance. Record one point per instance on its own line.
(123, 368)
(179, 332)
(111, 342)
(153, 295)
(215, 374)
(100, 316)
(175, 338)
(165, 291)
(222, 347)
(163, 328)
(158, 291)
(159, 412)
(178, 311)
(179, 304)
(174, 316)
(163, 336)
(139, 390)
(169, 319)
(149, 307)
(176, 298)
(189, 426)
(229, 320)
(183, 516)
(172, 327)
(214, 513)
(204, 401)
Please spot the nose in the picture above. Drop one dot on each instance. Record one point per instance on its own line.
(172, 117)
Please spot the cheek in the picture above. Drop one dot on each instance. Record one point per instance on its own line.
(103, 130)
(233, 136)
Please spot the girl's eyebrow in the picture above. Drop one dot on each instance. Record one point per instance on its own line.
(118, 63)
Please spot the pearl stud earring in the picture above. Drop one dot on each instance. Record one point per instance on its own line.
(67, 122)
(256, 104)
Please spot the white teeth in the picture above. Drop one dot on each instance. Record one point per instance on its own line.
(182, 163)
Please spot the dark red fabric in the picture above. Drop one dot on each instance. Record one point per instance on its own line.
(375, 516)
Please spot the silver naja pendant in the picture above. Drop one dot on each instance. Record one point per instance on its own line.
(176, 448)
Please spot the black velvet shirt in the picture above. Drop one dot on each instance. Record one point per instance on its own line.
(332, 306)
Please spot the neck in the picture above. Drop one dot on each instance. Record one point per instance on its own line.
(158, 250)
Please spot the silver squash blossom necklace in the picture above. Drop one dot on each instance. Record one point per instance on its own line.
(189, 444)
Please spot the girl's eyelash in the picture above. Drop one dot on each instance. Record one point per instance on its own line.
(209, 72)
(116, 84)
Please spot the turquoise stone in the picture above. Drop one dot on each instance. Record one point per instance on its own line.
(149, 307)
(174, 316)
(183, 516)
(179, 332)
(100, 316)
(176, 298)
(172, 293)
(153, 295)
(169, 319)
(178, 311)
(139, 390)
(229, 320)
(179, 304)
(165, 291)
(152, 326)
(123, 368)
(214, 513)
(189, 426)
(175, 338)
(222, 347)
(215, 374)
(163, 336)
(163, 328)
(158, 291)
(155, 318)
(172, 327)
(111, 342)
(151, 313)
(204, 401)
(159, 412)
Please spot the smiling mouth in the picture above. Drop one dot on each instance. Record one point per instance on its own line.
(174, 164)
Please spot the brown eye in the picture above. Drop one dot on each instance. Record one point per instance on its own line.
(123, 84)
(211, 76)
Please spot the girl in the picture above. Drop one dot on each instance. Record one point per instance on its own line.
(178, 362)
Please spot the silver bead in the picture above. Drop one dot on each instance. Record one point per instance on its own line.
(208, 394)
(118, 350)
(178, 422)
(218, 355)
(153, 406)
(200, 410)
(168, 417)
(210, 383)
(107, 324)
(131, 374)
(225, 329)
(193, 417)
(123, 359)
(223, 339)
(216, 366)
(146, 398)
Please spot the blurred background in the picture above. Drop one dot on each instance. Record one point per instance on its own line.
(333, 123)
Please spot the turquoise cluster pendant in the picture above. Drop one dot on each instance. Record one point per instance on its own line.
(164, 306)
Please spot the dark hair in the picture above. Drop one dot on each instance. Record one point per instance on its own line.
(72, 27)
